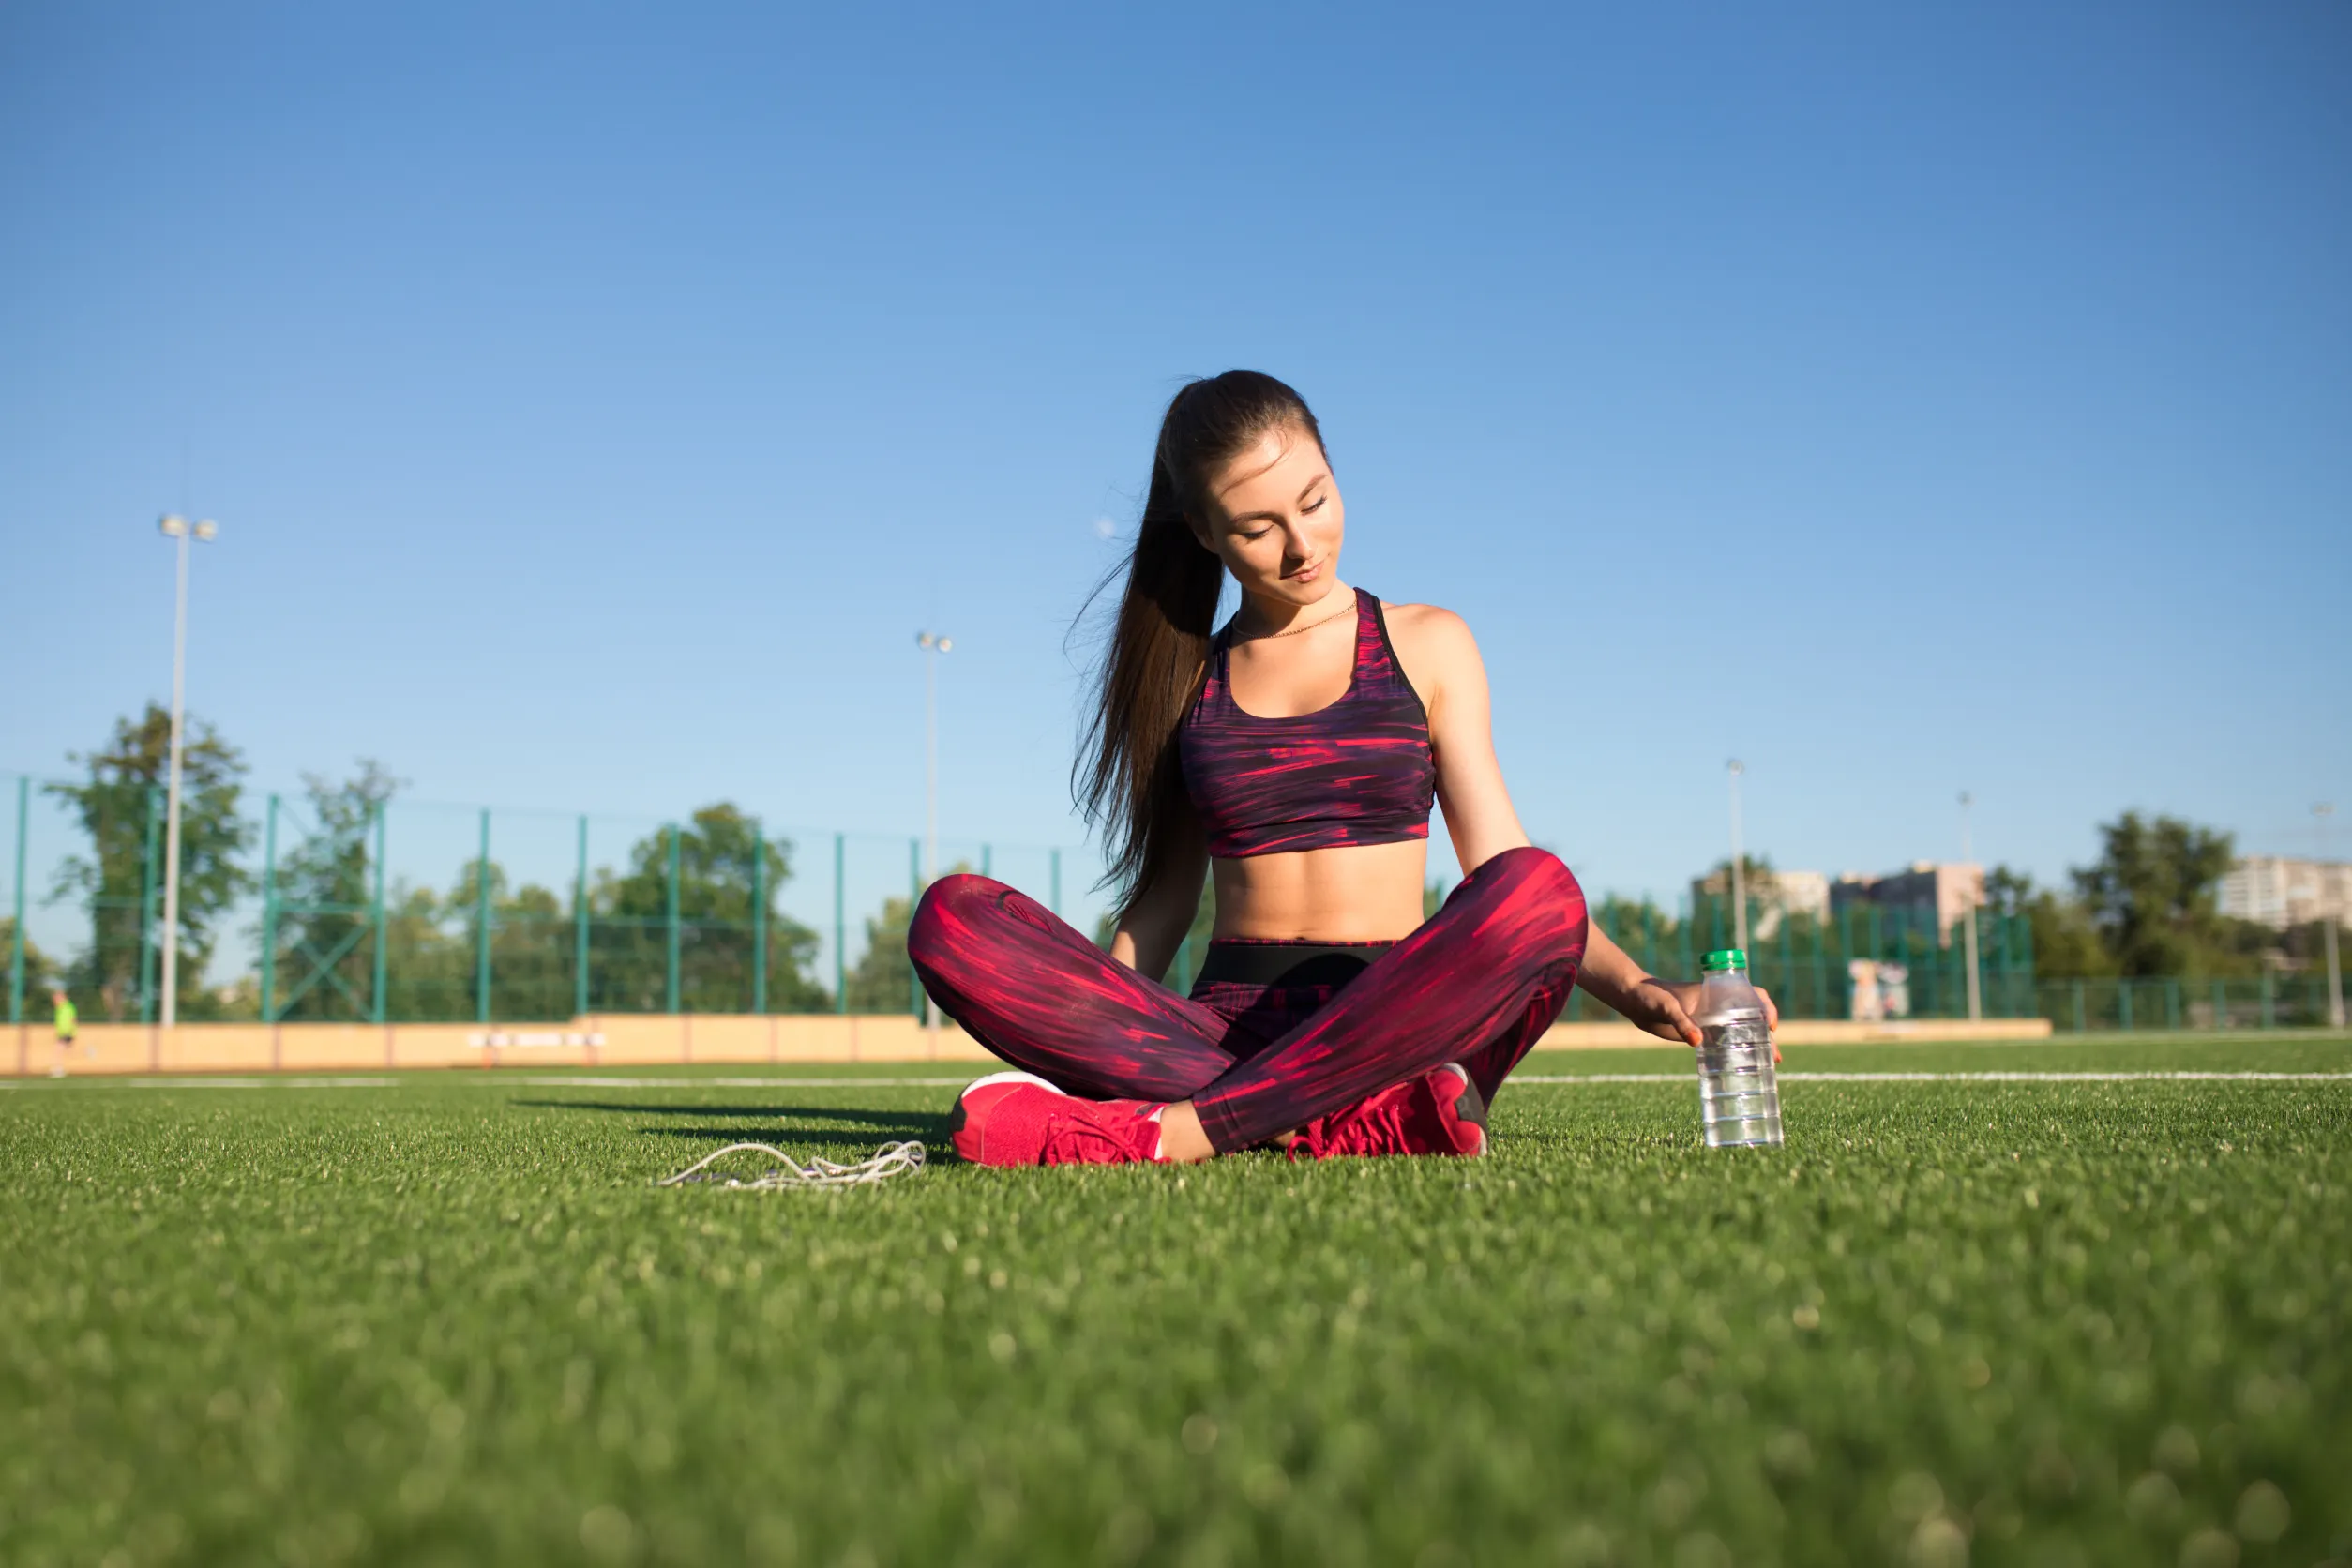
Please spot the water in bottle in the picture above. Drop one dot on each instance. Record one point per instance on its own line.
(1738, 1098)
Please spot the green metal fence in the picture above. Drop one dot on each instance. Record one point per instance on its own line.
(358, 908)
(1804, 959)
(367, 910)
(2267, 1002)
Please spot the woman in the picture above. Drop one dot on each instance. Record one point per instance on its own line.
(1295, 756)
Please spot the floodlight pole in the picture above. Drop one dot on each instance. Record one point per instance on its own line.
(175, 527)
(2327, 918)
(1739, 873)
(932, 645)
(1967, 855)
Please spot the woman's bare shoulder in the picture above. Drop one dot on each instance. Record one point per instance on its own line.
(1428, 628)
(1433, 643)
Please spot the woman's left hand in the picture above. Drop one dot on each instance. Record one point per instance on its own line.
(1663, 1007)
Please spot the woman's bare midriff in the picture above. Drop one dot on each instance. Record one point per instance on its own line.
(1359, 893)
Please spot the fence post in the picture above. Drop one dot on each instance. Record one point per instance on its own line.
(2082, 1023)
(914, 896)
(2123, 1003)
(482, 926)
(146, 908)
(840, 933)
(16, 942)
(1843, 971)
(759, 918)
(270, 916)
(1789, 960)
(382, 973)
(2172, 1002)
(580, 925)
(2221, 1004)
(1053, 898)
(2269, 1002)
(670, 968)
(1820, 978)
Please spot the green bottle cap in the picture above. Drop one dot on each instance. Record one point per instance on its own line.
(1723, 958)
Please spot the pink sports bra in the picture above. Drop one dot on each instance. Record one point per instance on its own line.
(1360, 771)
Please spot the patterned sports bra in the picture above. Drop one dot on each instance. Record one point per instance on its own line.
(1358, 772)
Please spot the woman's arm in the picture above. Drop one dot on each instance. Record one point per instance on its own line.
(1153, 923)
(1438, 650)
(1663, 1007)
(1442, 660)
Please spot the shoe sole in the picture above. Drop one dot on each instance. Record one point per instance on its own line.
(1470, 1107)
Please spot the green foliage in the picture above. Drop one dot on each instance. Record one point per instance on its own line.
(2152, 892)
(41, 972)
(2065, 940)
(451, 1320)
(432, 940)
(716, 884)
(2147, 908)
(121, 804)
(325, 892)
(881, 980)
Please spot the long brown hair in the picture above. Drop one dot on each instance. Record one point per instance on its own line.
(1126, 777)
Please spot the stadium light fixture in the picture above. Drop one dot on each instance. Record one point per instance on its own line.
(1739, 873)
(932, 645)
(179, 529)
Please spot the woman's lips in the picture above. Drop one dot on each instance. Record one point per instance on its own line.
(1304, 574)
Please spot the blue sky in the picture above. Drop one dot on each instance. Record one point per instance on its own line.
(596, 399)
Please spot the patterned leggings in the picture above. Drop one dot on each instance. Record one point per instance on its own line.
(1477, 984)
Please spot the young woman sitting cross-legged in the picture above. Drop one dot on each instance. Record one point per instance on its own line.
(1295, 756)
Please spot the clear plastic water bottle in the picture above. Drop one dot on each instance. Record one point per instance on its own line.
(1739, 1097)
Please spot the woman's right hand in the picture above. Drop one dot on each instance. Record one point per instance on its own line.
(1664, 1008)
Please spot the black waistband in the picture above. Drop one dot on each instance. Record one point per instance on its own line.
(1288, 963)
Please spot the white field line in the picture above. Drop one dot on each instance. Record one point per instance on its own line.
(1958, 1077)
(484, 1081)
(778, 1081)
(575, 1081)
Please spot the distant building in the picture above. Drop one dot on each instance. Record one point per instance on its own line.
(2280, 892)
(1941, 892)
(1771, 894)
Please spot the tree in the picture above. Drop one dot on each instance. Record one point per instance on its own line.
(881, 981)
(326, 893)
(39, 973)
(2065, 942)
(534, 956)
(123, 797)
(2152, 892)
(629, 966)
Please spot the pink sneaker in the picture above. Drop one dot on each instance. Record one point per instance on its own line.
(1020, 1119)
(1440, 1113)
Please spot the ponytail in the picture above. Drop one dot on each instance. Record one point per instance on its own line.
(1127, 780)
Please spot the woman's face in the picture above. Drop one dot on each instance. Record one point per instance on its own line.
(1275, 518)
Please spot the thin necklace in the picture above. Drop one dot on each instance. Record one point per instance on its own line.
(1293, 631)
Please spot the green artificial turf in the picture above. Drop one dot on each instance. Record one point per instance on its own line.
(448, 1319)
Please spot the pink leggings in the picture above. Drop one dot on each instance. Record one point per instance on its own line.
(1477, 984)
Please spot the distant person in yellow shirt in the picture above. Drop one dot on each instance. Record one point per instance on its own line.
(66, 1017)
